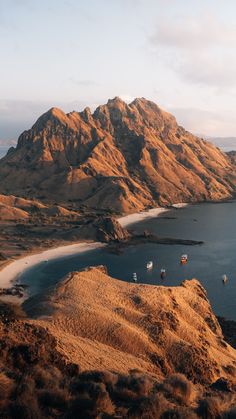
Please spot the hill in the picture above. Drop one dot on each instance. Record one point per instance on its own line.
(122, 158)
(13, 208)
(101, 322)
(100, 348)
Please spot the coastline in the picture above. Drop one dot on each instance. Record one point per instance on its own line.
(11, 271)
(129, 219)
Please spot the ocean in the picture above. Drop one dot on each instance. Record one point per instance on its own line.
(214, 223)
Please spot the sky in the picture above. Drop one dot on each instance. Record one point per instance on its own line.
(76, 53)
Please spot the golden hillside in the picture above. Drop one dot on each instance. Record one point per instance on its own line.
(13, 208)
(103, 323)
(122, 157)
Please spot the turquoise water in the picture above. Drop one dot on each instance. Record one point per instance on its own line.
(213, 223)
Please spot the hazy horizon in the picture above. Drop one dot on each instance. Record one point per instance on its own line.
(226, 143)
(71, 54)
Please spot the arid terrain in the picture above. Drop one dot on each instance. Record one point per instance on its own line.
(96, 347)
(118, 325)
(122, 158)
(29, 225)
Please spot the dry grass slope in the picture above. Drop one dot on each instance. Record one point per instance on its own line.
(101, 322)
(37, 382)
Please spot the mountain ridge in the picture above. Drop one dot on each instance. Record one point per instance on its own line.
(122, 157)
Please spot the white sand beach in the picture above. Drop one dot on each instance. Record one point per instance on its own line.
(140, 216)
(15, 268)
(10, 273)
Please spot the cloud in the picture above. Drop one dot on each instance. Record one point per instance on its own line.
(204, 122)
(199, 50)
(188, 33)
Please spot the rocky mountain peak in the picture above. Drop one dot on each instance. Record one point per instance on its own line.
(123, 157)
(86, 114)
(54, 112)
(116, 102)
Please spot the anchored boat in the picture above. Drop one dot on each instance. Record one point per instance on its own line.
(224, 279)
(184, 259)
(163, 273)
(150, 265)
(135, 278)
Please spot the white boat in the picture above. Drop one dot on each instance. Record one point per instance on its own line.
(224, 278)
(184, 259)
(149, 264)
(163, 273)
(135, 278)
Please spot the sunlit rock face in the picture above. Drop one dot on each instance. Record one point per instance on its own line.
(122, 157)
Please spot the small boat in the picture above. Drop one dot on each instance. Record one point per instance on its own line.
(150, 264)
(135, 278)
(163, 273)
(184, 259)
(224, 279)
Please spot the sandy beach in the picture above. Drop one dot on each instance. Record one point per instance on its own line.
(10, 273)
(140, 216)
(129, 219)
(15, 268)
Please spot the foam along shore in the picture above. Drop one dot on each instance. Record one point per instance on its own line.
(140, 216)
(10, 273)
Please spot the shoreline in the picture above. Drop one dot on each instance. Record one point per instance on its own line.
(130, 219)
(11, 271)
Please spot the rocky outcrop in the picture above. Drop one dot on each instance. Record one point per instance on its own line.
(103, 229)
(122, 157)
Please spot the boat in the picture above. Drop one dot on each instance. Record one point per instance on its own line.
(163, 273)
(135, 278)
(184, 259)
(224, 279)
(150, 264)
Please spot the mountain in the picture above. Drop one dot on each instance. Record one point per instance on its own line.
(122, 157)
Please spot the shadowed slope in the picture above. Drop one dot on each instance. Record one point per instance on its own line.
(121, 157)
(13, 208)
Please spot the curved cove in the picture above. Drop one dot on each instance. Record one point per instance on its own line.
(212, 223)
